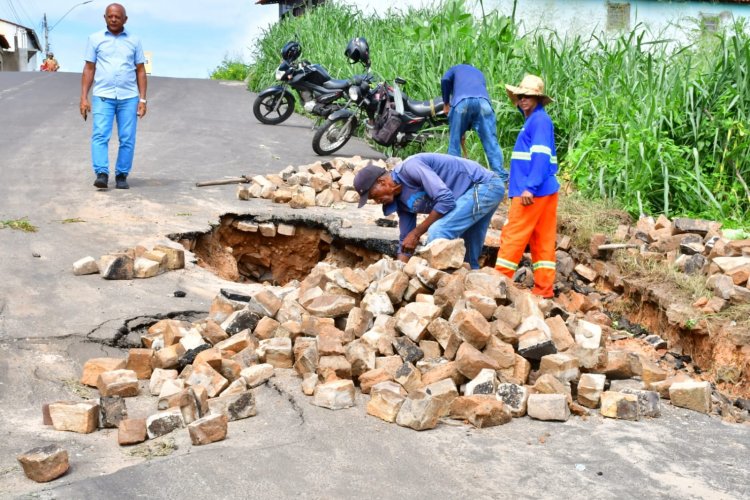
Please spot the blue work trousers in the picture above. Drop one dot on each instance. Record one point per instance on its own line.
(471, 218)
(476, 113)
(105, 111)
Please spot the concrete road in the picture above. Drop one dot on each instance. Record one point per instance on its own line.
(50, 322)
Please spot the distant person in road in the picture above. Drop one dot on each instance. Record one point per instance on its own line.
(50, 64)
(533, 189)
(459, 195)
(115, 64)
(468, 105)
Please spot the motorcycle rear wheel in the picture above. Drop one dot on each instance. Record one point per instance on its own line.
(264, 108)
(332, 136)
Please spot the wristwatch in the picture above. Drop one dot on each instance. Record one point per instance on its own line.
(144, 101)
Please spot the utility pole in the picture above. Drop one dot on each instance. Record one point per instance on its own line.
(45, 27)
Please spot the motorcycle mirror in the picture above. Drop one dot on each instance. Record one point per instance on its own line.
(398, 96)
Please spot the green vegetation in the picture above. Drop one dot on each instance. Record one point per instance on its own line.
(160, 447)
(73, 220)
(76, 387)
(581, 218)
(22, 224)
(230, 69)
(661, 129)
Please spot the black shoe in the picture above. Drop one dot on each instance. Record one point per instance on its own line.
(101, 181)
(121, 181)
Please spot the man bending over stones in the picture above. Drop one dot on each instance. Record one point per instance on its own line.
(459, 196)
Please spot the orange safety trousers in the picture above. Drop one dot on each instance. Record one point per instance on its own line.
(534, 225)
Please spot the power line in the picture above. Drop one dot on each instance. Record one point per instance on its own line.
(25, 13)
(37, 13)
(17, 13)
(13, 12)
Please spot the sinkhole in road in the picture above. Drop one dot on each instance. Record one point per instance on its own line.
(246, 249)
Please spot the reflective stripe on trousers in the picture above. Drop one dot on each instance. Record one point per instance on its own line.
(534, 225)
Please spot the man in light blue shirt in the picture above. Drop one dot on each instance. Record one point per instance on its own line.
(115, 64)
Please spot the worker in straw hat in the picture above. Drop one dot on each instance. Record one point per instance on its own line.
(533, 189)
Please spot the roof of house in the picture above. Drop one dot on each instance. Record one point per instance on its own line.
(29, 32)
(11, 22)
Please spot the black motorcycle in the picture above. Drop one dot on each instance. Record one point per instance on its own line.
(340, 125)
(392, 118)
(320, 94)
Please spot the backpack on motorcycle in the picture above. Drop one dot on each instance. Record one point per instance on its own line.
(386, 127)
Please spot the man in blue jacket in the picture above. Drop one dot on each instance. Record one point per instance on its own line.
(468, 105)
(533, 189)
(459, 195)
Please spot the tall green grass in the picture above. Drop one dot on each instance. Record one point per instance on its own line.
(658, 127)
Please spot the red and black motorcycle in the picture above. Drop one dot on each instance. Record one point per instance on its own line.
(392, 119)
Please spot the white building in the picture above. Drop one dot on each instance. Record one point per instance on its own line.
(668, 19)
(19, 47)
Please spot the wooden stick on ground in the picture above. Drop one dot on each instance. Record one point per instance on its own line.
(228, 180)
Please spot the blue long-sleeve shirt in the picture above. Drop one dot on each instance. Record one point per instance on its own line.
(533, 163)
(431, 181)
(462, 81)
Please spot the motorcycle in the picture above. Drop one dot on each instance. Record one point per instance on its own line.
(341, 124)
(319, 93)
(393, 119)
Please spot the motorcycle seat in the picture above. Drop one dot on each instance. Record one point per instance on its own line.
(336, 84)
(425, 108)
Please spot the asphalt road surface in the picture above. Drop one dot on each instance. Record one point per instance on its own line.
(50, 320)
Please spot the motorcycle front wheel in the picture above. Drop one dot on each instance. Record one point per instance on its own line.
(332, 135)
(267, 109)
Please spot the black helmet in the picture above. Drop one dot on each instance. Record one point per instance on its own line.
(291, 51)
(358, 51)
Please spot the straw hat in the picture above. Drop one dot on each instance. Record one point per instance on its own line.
(530, 85)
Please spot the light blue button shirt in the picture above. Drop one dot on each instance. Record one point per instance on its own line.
(115, 57)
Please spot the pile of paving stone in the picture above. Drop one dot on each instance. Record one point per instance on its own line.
(319, 184)
(138, 262)
(426, 340)
(696, 331)
(693, 246)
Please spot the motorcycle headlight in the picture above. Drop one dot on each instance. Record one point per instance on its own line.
(354, 93)
(280, 74)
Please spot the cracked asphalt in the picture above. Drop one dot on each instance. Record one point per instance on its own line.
(52, 321)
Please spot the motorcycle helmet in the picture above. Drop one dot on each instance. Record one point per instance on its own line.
(358, 51)
(291, 51)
